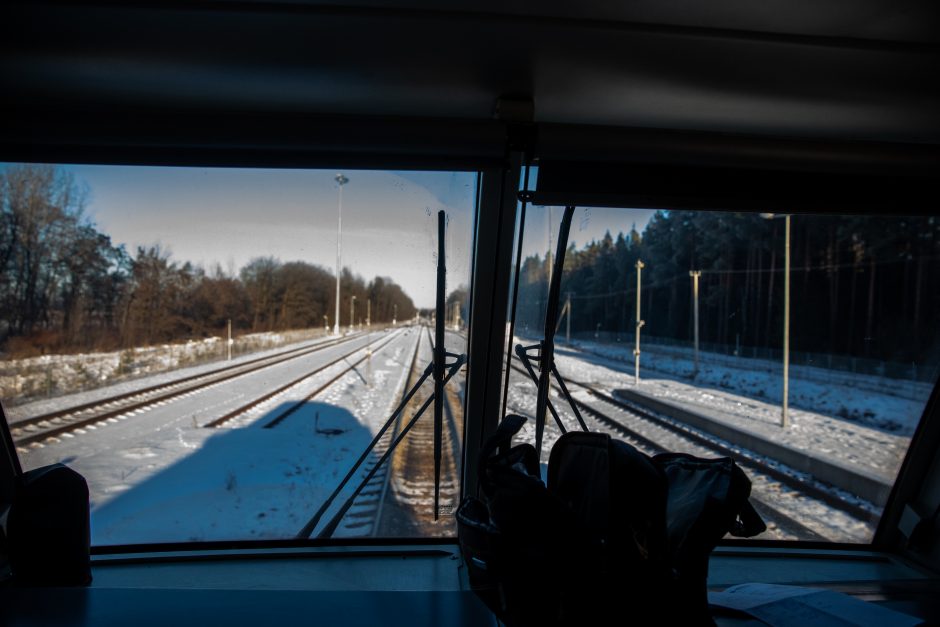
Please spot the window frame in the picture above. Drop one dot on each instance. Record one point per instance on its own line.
(499, 163)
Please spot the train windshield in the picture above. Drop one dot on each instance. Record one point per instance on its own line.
(804, 346)
(225, 354)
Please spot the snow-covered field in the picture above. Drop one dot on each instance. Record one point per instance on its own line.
(160, 477)
(888, 404)
(826, 522)
(250, 482)
(24, 380)
(853, 444)
(856, 425)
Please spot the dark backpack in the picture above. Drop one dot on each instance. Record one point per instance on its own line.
(609, 534)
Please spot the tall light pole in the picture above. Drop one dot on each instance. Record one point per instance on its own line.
(695, 274)
(568, 321)
(340, 180)
(639, 324)
(784, 406)
(352, 314)
(785, 417)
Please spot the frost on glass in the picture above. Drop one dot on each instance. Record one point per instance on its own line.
(863, 348)
(172, 334)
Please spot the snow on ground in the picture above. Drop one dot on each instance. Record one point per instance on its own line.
(823, 520)
(891, 405)
(23, 380)
(181, 482)
(234, 483)
(166, 373)
(727, 395)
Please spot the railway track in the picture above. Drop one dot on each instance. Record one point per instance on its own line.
(373, 509)
(35, 429)
(407, 507)
(366, 507)
(397, 496)
(367, 352)
(772, 484)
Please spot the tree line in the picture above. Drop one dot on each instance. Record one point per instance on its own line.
(865, 286)
(64, 286)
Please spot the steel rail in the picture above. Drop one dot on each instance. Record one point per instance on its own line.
(282, 356)
(386, 478)
(740, 455)
(228, 373)
(218, 422)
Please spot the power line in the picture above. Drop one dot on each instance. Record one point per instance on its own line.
(669, 280)
(831, 266)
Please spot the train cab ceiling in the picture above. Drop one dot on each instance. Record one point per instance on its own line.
(91, 71)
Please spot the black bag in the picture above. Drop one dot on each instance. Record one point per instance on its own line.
(48, 529)
(520, 539)
(707, 499)
(595, 542)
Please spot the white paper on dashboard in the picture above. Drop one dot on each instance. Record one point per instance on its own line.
(795, 606)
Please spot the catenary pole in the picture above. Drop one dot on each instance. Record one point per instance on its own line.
(785, 401)
(352, 314)
(340, 180)
(639, 324)
(695, 274)
(568, 321)
(785, 416)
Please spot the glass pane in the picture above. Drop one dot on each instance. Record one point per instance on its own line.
(862, 347)
(174, 334)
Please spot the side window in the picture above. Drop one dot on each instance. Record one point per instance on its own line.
(805, 346)
(214, 349)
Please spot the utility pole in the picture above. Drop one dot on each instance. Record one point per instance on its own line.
(695, 274)
(784, 406)
(639, 324)
(785, 418)
(352, 314)
(549, 262)
(230, 341)
(568, 322)
(340, 180)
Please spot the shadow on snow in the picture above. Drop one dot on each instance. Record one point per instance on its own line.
(242, 483)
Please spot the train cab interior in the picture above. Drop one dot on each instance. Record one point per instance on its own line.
(712, 116)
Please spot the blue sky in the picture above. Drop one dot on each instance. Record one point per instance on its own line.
(224, 216)
(227, 216)
(589, 223)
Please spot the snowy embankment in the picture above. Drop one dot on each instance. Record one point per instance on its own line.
(887, 404)
(245, 481)
(47, 376)
(853, 425)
